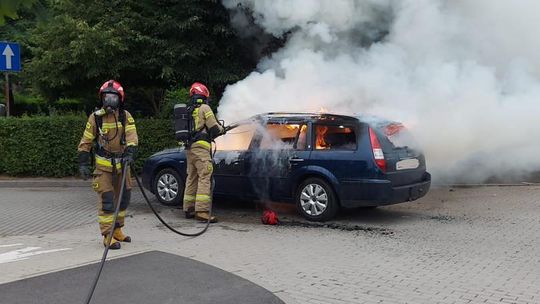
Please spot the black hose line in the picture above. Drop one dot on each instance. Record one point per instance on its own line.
(116, 211)
(125, 168)
(163, 221)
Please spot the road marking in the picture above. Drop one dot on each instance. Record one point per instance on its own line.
(10, 245)
(25, 253)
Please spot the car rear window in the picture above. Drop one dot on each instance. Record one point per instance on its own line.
(237, 139)
(398, 135)
(284, 136)
(338, 137)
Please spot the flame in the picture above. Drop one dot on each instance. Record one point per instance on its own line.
(321, 132)
(322, 110)
(393, 128)
(292, 127)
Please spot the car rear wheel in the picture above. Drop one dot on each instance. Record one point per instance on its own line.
(168, 187)
(316, 200)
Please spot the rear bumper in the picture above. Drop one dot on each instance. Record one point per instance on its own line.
(373, 192)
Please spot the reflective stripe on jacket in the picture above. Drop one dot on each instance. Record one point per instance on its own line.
(204, 119)
(109, 137)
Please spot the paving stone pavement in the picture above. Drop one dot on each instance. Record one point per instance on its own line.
(463, 245)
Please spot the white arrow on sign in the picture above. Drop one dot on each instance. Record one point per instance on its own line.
(8, 52)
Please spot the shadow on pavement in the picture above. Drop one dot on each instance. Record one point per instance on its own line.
(151, 277)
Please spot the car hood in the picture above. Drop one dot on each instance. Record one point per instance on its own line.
(168, 151)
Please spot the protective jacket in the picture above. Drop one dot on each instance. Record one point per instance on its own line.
(205, 126)
(112, 138)
(198, 190)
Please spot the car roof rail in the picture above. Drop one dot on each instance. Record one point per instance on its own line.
(310, 115)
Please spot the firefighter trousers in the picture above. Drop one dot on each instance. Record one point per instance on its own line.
(198, 190)
(108, 197)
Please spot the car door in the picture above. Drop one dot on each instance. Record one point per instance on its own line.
(229, 161)
(278, 150)
(335, 149)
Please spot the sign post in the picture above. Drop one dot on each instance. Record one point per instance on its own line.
(10, 61)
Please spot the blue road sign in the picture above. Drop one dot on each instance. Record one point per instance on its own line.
(10, 57)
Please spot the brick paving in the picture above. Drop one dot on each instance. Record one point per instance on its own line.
(463, 245)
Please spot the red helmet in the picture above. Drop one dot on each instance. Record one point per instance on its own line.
(198, 88)
(114, 87)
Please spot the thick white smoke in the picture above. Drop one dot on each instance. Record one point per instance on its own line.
(462, 75)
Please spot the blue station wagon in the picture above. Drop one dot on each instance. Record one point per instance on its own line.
(320, 162)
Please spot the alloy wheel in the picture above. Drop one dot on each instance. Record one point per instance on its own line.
(167, 187)
(313, 199)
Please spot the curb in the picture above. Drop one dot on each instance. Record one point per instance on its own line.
(522, 184)
(39, 183)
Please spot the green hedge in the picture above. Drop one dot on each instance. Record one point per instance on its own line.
(47, 146)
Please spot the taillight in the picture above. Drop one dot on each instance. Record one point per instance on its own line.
(377, 150)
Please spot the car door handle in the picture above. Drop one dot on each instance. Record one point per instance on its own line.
(295, 160)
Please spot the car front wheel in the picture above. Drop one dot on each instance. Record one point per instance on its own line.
(316, 200)
(168, 187)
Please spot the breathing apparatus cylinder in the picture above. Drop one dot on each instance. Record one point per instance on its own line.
(182, 121)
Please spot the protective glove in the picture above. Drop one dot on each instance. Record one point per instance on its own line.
(84, 165)
(129, 154)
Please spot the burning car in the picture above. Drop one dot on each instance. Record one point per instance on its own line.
(320, 162)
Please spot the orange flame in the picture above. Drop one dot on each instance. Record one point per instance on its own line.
(321, 132)
(322, 110)
(292, 127)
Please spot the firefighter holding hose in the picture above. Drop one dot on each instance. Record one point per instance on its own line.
(113, 131)
(198, 190)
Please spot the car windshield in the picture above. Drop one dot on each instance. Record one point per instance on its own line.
(237, 139)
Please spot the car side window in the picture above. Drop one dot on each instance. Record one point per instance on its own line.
(237, 139)
(335, 137)
(301, 143)
(284, 136)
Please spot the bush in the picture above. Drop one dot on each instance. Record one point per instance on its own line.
(29, 104)
(172, 97)
(68, 105)
(47, 146)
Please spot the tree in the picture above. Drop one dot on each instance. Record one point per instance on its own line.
(148, 45)
(9, 8)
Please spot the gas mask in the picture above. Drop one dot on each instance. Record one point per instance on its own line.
(198, 100)
(110, 102)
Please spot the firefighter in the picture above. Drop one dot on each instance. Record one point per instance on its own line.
(113, 131)
(198, 190)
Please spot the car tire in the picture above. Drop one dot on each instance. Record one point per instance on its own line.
(168, 187)
(316, 200)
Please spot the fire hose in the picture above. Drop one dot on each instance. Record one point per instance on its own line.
(115, 215)
(125, 168)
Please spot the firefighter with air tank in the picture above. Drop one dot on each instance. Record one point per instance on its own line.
(204, 128)
(113, 131)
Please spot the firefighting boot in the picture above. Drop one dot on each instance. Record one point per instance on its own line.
(120, 236)
(190, 213)
(114, 243)
(204, 215)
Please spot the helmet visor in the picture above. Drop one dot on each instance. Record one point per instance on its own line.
(111, 100)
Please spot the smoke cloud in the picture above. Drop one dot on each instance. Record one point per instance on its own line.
(463, 76)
